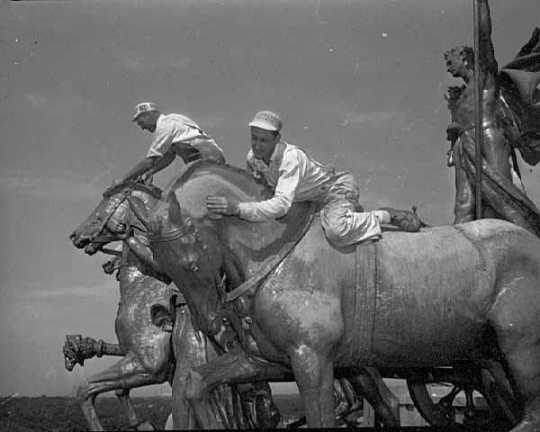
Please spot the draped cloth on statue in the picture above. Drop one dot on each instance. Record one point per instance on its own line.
(497, 191)
(519, 81)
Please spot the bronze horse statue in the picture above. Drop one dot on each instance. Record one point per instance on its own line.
(190, 346)
(152, 352)
(144, 347)
(446, 296)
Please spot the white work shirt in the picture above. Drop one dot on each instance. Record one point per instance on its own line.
(176, 132)
(293, 175)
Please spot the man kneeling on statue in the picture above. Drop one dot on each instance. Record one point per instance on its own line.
(294, 176)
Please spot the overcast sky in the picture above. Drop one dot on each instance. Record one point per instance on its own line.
(359, 84)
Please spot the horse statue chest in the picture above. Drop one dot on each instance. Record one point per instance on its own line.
(138, 292)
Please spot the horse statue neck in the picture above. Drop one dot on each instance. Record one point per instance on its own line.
(250, 243)
(136, 264)
(133, 274)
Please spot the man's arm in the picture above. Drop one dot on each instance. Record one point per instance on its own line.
(488, 64)
(161, 163)
(141, 168)
(258, 211)
(158, 157)
(149, 165)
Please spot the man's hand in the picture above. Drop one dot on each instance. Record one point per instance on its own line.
(219, 205)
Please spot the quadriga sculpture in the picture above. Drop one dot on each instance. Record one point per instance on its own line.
(107, 224)
(450, 295)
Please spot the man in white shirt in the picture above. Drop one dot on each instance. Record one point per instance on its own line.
(295, 176)
(173, 135)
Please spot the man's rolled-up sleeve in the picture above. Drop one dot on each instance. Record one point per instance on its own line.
(281, 202)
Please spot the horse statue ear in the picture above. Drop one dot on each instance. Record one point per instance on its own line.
(175, 212)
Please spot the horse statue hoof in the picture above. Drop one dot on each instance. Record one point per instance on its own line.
(169, 423)
(145, 426)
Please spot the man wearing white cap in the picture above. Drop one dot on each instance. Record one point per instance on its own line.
(173, 135)
(295, 176)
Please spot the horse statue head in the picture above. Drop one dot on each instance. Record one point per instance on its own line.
(120, 212)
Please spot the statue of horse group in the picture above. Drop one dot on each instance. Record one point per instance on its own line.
(144, 347)
(450, 296)
(146, 290)
(153, 353)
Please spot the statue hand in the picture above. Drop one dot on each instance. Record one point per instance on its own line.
(218, 205)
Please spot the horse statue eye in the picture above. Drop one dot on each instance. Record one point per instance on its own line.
(116, 227)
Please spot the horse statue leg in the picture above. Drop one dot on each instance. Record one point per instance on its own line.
(133, 420)
(265, 413)
(515, 319)
(127, 373)
(169, 425)
(222, 408)
(314, 374)
(346, 401)
(228, 368)
(342, 402)
(370, 384)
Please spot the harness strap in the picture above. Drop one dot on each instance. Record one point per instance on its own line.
(250, 286)
(365, 299)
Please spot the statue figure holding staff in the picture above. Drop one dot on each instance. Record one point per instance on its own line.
(509, 118)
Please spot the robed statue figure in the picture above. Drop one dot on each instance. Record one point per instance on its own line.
(510, 121)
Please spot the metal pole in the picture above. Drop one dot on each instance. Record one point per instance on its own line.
(478, 130)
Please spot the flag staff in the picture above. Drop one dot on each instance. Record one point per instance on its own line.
(478, 130)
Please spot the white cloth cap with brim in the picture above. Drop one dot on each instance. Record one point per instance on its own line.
(144, 107)
(266, 120)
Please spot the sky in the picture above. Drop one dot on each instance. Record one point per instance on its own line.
(359, 84)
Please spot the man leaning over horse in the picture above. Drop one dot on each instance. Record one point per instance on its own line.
(172, 135)
(295, 176)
